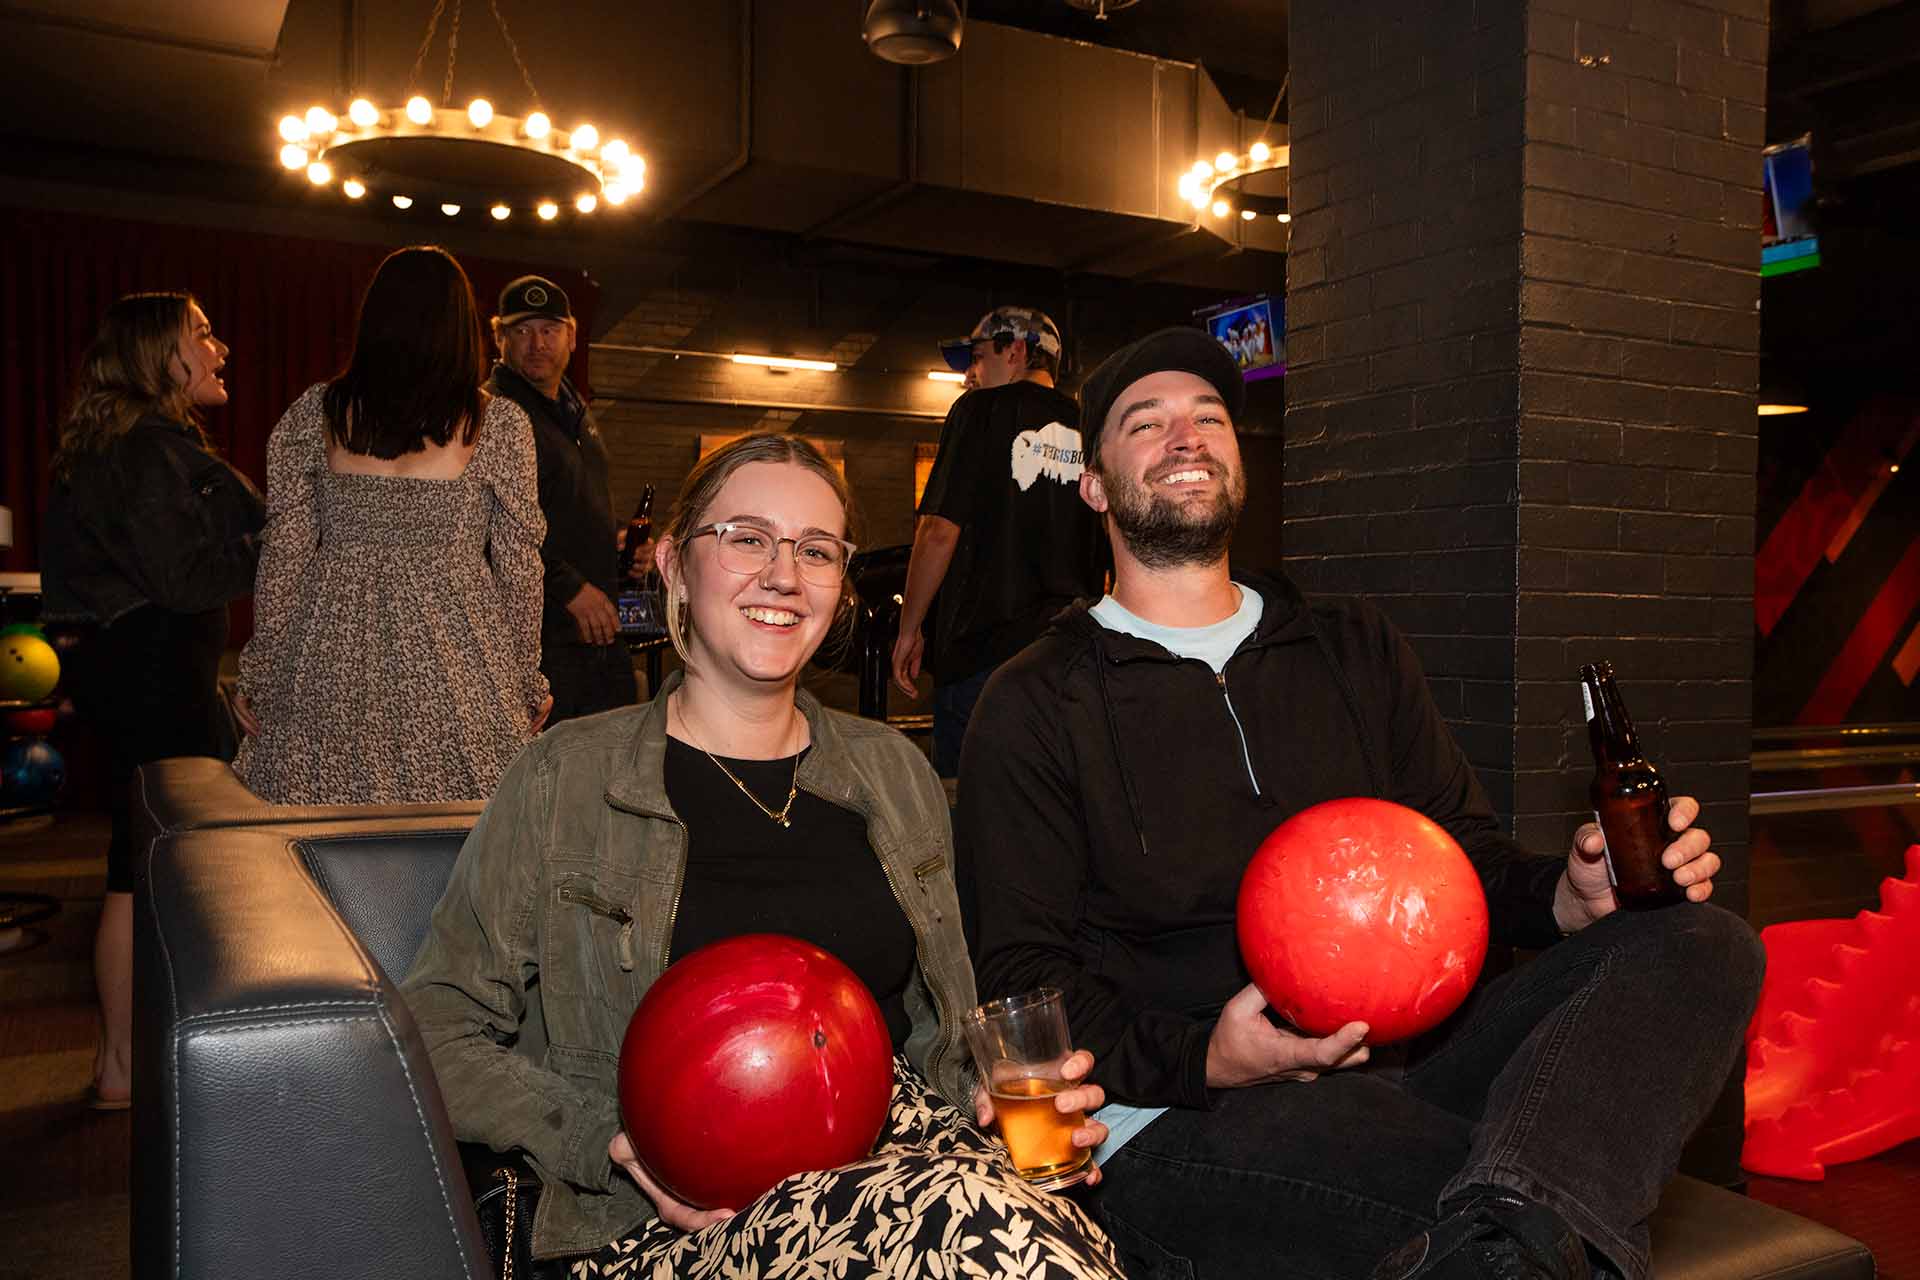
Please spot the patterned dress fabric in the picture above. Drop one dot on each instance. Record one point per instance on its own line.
(395, 656)
(937, 1198)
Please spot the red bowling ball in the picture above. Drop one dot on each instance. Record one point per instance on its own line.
(748, 1061)
(1362, 910)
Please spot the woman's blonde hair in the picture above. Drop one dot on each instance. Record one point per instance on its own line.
(703, 484)
(126, 374)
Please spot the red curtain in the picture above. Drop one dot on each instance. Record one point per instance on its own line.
(286, 306)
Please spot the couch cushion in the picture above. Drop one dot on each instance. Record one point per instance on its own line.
(1702, 1232)
(385, 886)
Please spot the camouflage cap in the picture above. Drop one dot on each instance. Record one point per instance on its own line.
(1029, 324)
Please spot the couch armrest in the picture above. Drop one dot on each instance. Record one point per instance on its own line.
(286, 1119)
(194, 793)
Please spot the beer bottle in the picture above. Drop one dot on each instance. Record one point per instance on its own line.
(1629, 798)
(633, 567)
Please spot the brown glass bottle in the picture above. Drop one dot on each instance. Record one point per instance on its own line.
(1629, 798)
(634, 566)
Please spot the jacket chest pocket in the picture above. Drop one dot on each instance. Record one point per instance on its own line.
(589, 971)
(931, 888)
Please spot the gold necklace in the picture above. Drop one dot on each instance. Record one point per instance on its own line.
(793, 788)
(792, 791)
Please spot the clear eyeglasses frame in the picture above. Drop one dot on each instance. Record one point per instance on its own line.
(820, 558)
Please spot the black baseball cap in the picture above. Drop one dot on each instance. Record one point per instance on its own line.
(1180, 348)
(533, 296)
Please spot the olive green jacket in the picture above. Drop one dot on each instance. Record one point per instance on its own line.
(558, 917)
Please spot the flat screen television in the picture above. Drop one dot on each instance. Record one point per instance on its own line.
(1787, 235)
(1253, 332)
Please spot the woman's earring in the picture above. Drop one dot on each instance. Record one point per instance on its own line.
(680, 592)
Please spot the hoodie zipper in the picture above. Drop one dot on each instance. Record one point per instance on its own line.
(1245, 755)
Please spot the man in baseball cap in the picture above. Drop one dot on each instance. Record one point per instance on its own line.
(1002, 538)
(580, 629)
(1117, 779)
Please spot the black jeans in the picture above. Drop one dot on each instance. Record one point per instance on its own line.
(588, 678)
(1574, 1079)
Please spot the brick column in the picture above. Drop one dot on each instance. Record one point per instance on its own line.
(1523, 308)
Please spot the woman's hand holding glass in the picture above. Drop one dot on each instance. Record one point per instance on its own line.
(1082, 1097)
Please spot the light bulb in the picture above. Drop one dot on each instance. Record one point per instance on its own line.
(293, 129)
(1284, 217)
(480, 113)
(548, 211)
(585, 138)
(1187, 184)
(615, 152)
(319, 173)
(1202, 170)
(363, 113)
(353, 188)
(615, 193)
(500, 212)
(538, 126)
(1198, 199)
(321, 121)
(587, 202)
(1246, 215)
(1224, 161)
(1221, 209)
(293, 157)
(1260, 153)
(419, 110)
(403, 202)
(451, 210)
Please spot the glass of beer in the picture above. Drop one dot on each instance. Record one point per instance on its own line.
(1020, 1045)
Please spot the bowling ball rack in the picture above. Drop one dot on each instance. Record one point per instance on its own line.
(21, 912)
(10, 812)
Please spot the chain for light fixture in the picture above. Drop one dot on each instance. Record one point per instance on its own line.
(1199, 185)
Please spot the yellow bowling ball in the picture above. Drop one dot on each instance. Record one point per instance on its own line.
(29, 668)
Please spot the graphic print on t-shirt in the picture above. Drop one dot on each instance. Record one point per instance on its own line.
(1052, 451)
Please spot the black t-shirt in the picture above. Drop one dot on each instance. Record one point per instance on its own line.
(817, 880)
(1008, 474)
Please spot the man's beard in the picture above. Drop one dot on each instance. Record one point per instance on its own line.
(1164, 534)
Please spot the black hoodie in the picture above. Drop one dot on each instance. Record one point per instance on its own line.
(1110, 805)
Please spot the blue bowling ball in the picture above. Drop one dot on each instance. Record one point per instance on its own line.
(30, 772)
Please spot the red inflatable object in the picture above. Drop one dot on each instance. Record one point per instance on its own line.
(748, 1061)
(1833, 1051)
(1362, 910)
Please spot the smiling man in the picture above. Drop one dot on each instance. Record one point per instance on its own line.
(580, 652)
(1002, 535)
(1118, 776)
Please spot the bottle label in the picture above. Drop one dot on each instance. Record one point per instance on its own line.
(1586, 696)
(1606, 852)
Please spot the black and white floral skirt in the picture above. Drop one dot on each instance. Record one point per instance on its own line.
(937, 1198)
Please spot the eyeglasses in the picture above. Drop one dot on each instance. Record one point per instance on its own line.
(744, 548)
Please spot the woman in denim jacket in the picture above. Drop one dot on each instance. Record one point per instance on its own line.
(148, 535)
(731, 803)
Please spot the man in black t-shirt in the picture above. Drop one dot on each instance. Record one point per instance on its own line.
(1002, 535)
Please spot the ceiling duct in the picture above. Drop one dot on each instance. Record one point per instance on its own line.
(913, 32)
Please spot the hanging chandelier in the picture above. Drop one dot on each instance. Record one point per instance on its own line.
(1206, 186)
(461, 159)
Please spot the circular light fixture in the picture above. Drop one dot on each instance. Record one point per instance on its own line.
(1226, 162)
(500, 213)
(293, 157)
(587, 202)
(403, 202)
(480, 113)
(321, 122)
(537, 126)
(1283, 217)
(1221, 209)
(1259, 153)
(1246, 215)
(548, 210)
(293, 129)
(363, 113)
(1200, 185)
(353, 188)
(419, 110)
(451, 210)
(319, 173)
(583, 138)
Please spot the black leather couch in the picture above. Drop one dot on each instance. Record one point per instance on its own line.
(286, 1120)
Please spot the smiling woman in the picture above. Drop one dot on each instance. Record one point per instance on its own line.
(733, 803)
